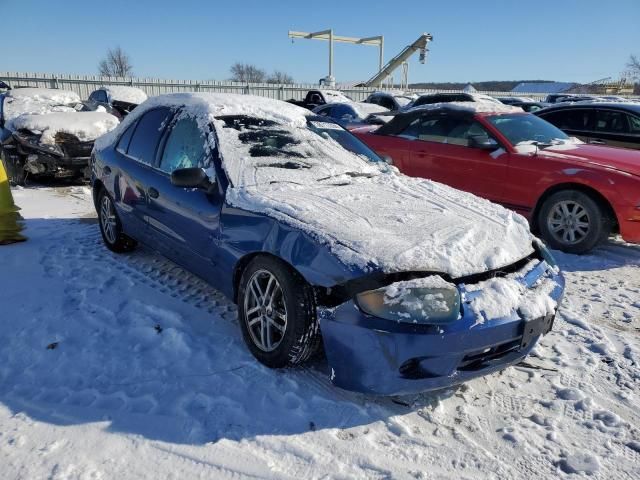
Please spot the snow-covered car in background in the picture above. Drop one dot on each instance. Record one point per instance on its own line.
(391, 100)
(432, 98)
(352, 114)
(45, 132)
(118, 100)
(409, 284)
(315, 98)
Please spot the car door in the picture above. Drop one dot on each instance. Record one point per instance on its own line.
(443, 151)
(614, 128)
(135, 155)
(185, 221)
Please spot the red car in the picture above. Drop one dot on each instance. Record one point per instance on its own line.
(575, 195)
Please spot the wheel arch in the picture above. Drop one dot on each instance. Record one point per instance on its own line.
(244, 261)
(98, 186)
(590, 191)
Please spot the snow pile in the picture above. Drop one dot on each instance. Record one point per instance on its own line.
(45, 95)
(86, 126)
(37, 101)
(505, 296)
(116, 398)
(126, 94)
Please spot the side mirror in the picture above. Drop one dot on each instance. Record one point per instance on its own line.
(193, 177)
(483, 142)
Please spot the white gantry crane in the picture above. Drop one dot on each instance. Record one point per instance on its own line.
(420, 44)
(385, 71)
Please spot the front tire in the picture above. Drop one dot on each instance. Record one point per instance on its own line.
(277, 313)
(110, 226)
(573, 222)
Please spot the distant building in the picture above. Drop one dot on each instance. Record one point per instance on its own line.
(544, 87)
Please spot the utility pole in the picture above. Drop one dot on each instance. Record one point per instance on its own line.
(328, 35)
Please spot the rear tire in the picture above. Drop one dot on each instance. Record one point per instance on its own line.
(277, 313)
(574, 222)
(110, 226)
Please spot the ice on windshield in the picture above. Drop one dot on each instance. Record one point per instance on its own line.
(259, 151)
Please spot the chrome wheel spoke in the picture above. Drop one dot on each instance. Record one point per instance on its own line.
(568, 222)
(265, 313)
(108, 219)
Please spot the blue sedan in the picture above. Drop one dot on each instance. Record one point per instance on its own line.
(408, 285)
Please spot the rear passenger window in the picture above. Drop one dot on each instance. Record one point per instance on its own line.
(634, 123)
(570, 119)
(611, 122)
(145, 139)
(123, 143)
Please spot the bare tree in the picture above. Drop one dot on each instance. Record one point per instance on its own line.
(243, 72)
(634, 66)
(117, 64)
(280, 77)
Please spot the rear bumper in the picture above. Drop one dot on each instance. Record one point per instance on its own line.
(403, 358)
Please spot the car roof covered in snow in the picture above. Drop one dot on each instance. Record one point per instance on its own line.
(123, 93)
(212, 105)
(50, 95)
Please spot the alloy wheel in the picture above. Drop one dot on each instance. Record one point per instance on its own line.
(568, 222)
(265, 310)
(108, 219)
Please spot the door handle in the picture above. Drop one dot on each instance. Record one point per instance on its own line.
(153, 193)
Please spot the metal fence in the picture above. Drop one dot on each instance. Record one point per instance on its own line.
(85, 84)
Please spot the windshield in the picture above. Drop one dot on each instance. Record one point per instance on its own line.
(523, 128)
(257, 151)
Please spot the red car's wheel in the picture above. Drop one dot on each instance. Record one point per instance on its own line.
(573, 222)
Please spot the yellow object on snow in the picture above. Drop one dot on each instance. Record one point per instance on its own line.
(10, 219)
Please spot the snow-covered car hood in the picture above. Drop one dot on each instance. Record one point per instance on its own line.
(86, 126)
(395, 223)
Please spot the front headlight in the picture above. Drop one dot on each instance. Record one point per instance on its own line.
(429, 300)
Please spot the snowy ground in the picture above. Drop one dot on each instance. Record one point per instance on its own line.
(128, 367)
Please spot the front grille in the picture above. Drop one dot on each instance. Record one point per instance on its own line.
(78, 149)
(477, 360)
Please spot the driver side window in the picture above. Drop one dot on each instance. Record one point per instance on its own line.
(185, 147)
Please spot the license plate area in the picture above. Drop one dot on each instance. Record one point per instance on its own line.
(534, 328)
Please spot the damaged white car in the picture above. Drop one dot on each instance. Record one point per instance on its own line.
(45, 132)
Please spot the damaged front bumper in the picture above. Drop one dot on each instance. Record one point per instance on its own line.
(68, 157)
(372, 355)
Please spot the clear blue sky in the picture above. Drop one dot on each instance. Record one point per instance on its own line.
(569, 40)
